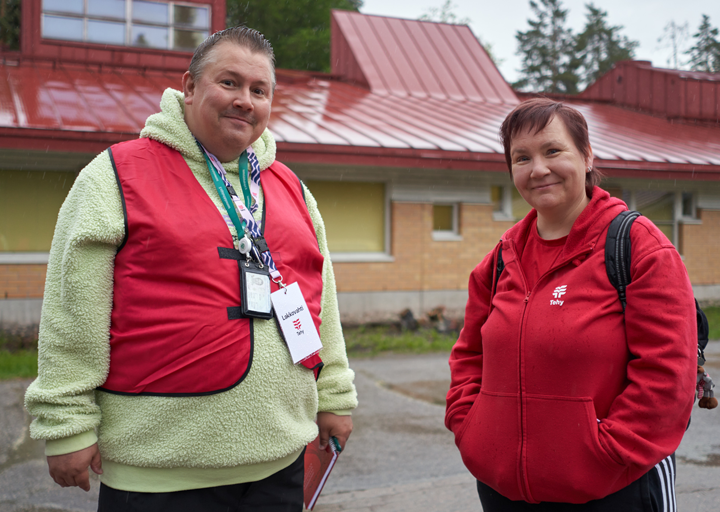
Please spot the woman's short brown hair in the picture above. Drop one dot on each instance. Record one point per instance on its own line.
(534, 115)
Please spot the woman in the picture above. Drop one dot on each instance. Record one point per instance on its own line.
(557, 397)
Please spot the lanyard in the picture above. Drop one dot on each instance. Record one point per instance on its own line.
(228, 196)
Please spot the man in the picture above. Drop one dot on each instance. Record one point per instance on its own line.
(149, 372)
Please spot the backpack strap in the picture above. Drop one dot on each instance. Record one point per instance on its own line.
(617, 252)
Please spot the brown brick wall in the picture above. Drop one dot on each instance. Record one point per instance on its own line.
(22, 281)
(701, 244)
(421, 263)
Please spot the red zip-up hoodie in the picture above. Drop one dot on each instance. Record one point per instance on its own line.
(557, 395)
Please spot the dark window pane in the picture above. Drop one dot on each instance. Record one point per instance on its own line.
(150, 12)
(687, 204)
(107, 8)
(188, 40)
(70, 29)
(105, 32)
(70, 6)
(191, 16)
(151, 37)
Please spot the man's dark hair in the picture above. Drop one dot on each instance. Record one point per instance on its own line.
(242, 36)
(534, 115)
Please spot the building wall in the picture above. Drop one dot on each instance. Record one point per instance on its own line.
(701, 246)
(22, 281)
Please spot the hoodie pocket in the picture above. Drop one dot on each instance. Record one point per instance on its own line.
(564, 460)
(489, 442)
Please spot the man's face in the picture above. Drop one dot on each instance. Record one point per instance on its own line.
(228, 107)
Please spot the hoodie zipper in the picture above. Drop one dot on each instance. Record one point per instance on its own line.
(524, 485)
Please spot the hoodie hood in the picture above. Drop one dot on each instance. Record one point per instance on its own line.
(590, 224)
(168, 126)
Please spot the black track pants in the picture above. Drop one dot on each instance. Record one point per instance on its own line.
(281, 492)
(653, 492)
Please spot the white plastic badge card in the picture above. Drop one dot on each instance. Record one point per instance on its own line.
(296, 322)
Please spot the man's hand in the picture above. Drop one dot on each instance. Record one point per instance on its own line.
(333, 425)
(71, 469)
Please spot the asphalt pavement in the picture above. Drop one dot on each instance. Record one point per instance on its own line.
(399, 458)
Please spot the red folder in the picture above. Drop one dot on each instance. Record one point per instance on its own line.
(318, 464)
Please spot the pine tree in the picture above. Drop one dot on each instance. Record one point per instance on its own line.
(546, 51)
(599, 46)
(10, 24)
(705, 55)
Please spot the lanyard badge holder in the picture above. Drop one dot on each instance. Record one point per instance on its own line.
(258, 269)
(254, 284)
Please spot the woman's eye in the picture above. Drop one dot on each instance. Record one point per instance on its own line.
(521, 159)
(553, 151)
(229, 83)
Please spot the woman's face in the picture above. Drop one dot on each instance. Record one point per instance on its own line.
(548, 170)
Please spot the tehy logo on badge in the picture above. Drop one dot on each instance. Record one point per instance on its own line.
(297, 323)
(559, 292)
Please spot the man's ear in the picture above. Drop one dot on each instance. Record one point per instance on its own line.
(188, 85)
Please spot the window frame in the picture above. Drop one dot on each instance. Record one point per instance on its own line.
(444, 235)
(384, 256)
(678, 218)
(128, 22)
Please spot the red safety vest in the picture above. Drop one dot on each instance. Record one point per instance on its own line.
(175, 328)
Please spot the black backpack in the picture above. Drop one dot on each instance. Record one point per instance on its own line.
(617, 264)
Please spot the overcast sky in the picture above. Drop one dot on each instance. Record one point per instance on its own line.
(497, 21)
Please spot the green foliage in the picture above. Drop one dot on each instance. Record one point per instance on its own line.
(599, 46)
(705, 55)
(546, 50)
(369, 341)
(15, 365)
(299, 30)
(10, 24)
(713, 316)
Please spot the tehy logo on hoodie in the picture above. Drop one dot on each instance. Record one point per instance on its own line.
(559, 292)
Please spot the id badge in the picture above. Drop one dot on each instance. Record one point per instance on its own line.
(255, 290)
(296, 323)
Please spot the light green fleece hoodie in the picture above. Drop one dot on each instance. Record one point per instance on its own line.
(162, 444)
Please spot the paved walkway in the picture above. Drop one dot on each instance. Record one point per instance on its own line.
(400, 457)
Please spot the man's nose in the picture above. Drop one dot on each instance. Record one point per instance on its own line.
(243, 99)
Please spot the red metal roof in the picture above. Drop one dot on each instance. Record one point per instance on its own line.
(318, 119)
(324, 119)
(673, 93)
(416, 58)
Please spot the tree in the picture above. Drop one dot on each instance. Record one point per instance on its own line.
(10, 24)
(705, 55)
(299, 30)
(446, 14)
(674, 36)
(599, 46)
(546, 51)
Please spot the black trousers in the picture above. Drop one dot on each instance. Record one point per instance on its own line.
(280, 492)
(653, 492)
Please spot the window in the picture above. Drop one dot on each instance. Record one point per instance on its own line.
(161, 25)
(356, 218)
(668, 211)
(445, 222)
(508, 204)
